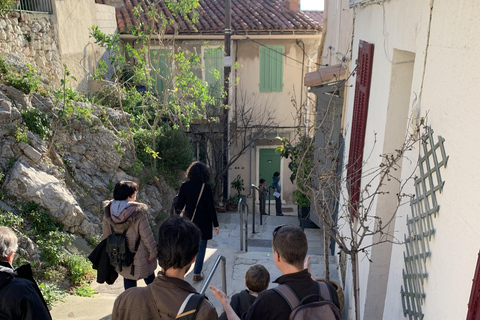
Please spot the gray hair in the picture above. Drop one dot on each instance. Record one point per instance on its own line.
(8, 242)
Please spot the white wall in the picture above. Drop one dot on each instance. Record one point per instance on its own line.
(450, 98)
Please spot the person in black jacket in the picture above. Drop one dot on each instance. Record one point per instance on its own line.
(20, 297)
(257, 279)
(196, 197)
(290, 247)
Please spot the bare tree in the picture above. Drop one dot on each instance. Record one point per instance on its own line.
(252, 119)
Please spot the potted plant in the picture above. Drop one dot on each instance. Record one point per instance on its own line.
(232, 202)
(301, 165)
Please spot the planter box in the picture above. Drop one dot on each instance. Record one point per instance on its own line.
(305, 222)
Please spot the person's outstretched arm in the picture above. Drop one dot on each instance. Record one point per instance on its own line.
(222, 298)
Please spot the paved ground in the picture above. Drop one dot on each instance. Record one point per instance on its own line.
(226, 244)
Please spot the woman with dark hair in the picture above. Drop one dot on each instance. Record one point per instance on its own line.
(123, 213)
(196, 197)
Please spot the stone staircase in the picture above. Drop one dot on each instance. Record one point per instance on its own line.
(227, 243)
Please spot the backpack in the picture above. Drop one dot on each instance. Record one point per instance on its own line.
(173, 208)
(189, 308)
(322, 309)
(118, 251)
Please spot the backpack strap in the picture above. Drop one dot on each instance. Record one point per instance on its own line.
(137, 244)
(289, 295)
(189, 308)
(324, 291)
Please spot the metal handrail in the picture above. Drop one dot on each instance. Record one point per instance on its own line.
(210, 275)
(259, 205)
(243, 211)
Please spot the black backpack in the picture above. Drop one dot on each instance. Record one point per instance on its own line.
(118, 251)
(322, 309)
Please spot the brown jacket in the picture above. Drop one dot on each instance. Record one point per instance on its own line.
(134, 219)
(168, 295)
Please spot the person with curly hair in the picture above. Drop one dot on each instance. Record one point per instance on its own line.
(196, 197)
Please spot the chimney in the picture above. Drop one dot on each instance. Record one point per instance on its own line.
(293, 5)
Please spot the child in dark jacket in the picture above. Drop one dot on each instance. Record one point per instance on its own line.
(257, 279)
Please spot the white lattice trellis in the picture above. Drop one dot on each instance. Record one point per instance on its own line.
(424, 208)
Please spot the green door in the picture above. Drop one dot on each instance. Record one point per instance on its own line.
(268, 164)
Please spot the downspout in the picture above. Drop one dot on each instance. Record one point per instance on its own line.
(251, 165)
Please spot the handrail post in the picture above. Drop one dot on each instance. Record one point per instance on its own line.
(243, 210)
(253, 209)
(210, 275)
(240, 212)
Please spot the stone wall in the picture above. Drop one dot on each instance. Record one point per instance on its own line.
(33, 38)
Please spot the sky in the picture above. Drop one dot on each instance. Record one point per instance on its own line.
(311, 4)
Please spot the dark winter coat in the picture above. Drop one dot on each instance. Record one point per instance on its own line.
(205, 215)
(100, 261)
(20, 297)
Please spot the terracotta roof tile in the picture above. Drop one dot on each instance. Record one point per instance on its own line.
(247, 15)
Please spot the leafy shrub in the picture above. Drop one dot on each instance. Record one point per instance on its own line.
(20, 134)
(51, 294)
(80, 269)
(37, 122)
(9, 219)
(84, 290)
(26, 82)
(51, 245)
(41, 221)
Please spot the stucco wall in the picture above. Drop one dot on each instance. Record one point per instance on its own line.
(33, 38)
(74, 19)
(449, 96)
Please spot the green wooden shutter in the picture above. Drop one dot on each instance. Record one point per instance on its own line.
(271, 68)
(160, 61)
(214, 61)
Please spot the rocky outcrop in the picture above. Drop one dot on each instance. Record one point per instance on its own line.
(72, 173)
(26, 182)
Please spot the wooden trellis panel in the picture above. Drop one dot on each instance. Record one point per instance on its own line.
(424, 207)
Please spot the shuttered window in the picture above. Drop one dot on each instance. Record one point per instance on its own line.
(160, 61)
(359, 122)
(271, 68)
(213, 63)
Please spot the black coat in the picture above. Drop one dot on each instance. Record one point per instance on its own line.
(20, 297)
(101, 263)
(205, 215)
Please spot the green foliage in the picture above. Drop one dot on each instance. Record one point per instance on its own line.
(9, 219)
(234, 199)
(84, 290)
(66, 96)
(20, 134)
(26, 82)
(4, 66)
(80, 269)
(51, 245)
(51, 294)
(37, 122)
(237, 184)
(301, 164)
(41, 221)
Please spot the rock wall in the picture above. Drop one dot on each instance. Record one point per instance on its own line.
(33, 38)
(74, 174)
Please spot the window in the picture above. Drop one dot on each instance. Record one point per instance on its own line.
(213, 75)
(271, 68)
(160, 61)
